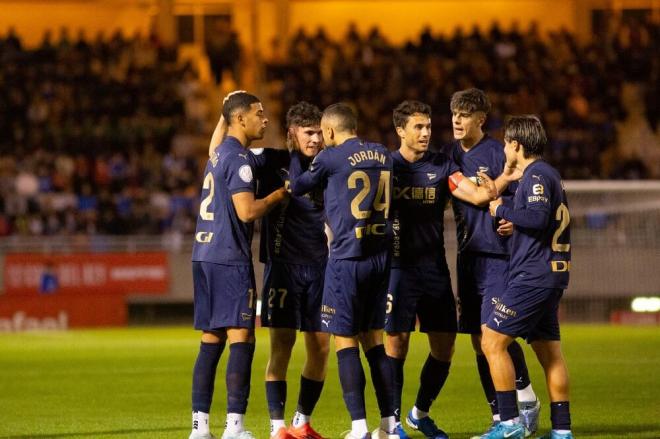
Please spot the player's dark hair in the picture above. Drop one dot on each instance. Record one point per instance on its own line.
(528, 131)
(238, 102)
(405, 109)
(470, 101)
(344, 115)
(303, 114)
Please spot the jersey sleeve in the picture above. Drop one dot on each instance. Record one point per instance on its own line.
(240, 175)
(316, 175)
(536, 213)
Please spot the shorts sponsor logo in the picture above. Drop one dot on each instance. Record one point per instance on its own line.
(246, 316)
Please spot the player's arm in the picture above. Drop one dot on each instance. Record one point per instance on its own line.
(466, 190)
(535, 215)
(249, 209)
(309, 179)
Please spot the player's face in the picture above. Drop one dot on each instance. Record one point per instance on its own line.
(309, 140)
(255, 121)
(510, 151)
(416, 135)
(467, 126)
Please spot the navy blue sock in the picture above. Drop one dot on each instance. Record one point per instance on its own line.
(239, 372)
(382, 378)
(276, 397)
(352, 379)
(560, 415)
(310, 392)
(433, 377)
(204, 375)
(508, 405)
(397, 369)
(487, 383)
(518, 358)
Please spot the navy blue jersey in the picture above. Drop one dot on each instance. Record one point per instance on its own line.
(541, 243)
(293, 232)
(221, 237)
(476, 230)
(357, 177)
(419, 196)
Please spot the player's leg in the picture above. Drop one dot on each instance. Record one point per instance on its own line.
(338, 316)
(495, 346)
(238, 309)
(373, 286)
(211, 347)
(203, 383)
(353, 382)
(383, 382)
(401, 316)
(545, 342)
(317, 346)
(469, 322)
(237, 379)
(494, 284)
(281, 344)
(279, 312)
(437, 317)
(396, 348)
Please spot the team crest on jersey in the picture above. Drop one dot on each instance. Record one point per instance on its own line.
(245, 172)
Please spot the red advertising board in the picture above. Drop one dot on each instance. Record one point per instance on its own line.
(87, 273)
(55, 312)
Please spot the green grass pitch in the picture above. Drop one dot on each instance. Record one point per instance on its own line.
(135, 382)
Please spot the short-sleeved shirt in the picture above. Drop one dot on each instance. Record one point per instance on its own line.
(357, 178)
(476, 229)
(420, 194)
(221, 237)
(540, 257)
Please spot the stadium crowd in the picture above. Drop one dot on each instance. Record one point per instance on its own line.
(96, 136)
(575, 87)
(96, 133)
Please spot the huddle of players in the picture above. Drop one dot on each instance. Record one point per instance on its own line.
(386, 265)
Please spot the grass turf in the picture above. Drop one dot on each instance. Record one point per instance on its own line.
(135, 382)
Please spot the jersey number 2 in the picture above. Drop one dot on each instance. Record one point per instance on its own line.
(203, 207)
(564, 219)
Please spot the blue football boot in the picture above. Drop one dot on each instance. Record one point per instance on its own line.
(425, 426)
(555, 435)
(504, 431)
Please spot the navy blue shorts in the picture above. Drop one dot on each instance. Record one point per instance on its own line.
(424, 293)
(355, 295)
(482, 280)
(528, 312)
(292, 296)
(224, 296)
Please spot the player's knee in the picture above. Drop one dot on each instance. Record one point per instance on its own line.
(396, 344)
(491, 343)
(442, 346)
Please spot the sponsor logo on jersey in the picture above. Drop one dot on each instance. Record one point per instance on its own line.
(538, 189)
(431, 175)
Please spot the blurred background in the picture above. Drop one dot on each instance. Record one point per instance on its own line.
(107, 107)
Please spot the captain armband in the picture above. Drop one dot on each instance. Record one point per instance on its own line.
(454, 180)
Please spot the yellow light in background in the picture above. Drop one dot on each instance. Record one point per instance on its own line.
(645, 304)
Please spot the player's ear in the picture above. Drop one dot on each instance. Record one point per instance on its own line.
(401, 132)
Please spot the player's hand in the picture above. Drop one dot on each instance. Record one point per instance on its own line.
(489, 184)
(493, 206)
(512, 172)
(505, 228)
